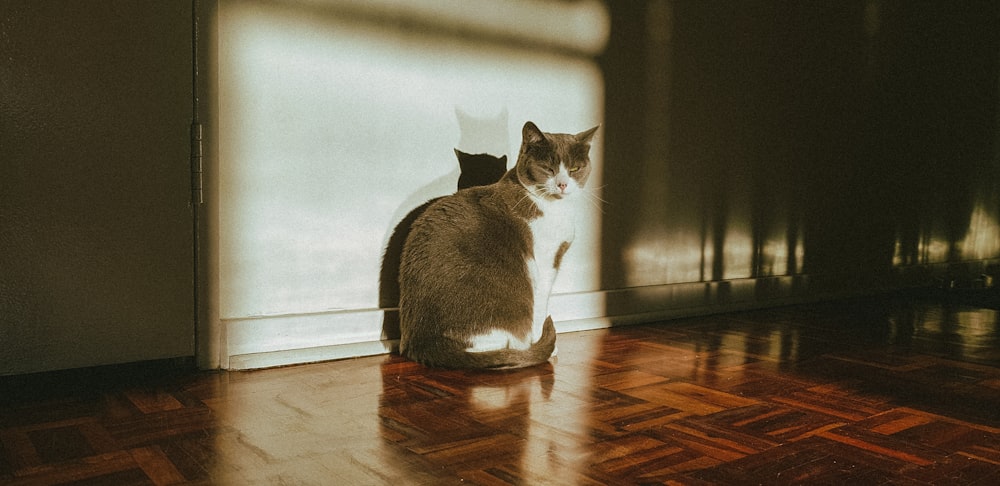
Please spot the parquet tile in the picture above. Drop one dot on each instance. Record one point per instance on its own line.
(888, 390)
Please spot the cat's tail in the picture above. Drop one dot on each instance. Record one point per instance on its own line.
(538, 353)
(503, 359)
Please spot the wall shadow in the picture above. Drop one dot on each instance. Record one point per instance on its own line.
(839, 138)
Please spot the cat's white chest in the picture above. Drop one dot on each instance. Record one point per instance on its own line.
(556, 226)
(551, 233)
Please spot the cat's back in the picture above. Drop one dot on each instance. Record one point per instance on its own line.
(473, 225)
(456, 213)
(466, 209)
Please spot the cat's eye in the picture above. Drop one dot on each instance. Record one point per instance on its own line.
(573, 169)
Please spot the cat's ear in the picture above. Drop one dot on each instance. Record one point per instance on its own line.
(463, 158)
(585, 136)
(531, 134)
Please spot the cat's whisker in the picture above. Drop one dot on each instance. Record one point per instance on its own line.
(595, 200)
(519, 201)
(596, 205)
(595, 197)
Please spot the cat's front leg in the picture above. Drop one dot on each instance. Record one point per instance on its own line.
(541, 284)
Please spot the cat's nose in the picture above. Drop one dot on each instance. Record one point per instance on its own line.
(562, 186)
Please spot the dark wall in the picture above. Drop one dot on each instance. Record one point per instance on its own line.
(864, 131)
(95, 222)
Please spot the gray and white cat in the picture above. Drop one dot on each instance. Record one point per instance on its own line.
(478, 266)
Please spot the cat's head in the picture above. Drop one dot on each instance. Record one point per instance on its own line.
(553, 165)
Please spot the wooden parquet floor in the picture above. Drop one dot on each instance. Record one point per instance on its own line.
(872, 391)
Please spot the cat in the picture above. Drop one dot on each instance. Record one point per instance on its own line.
(475, 170)
(478, 266)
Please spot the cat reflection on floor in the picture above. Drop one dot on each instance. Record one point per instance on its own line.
(477, 267)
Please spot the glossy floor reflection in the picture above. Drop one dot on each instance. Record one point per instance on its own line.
(875, 391)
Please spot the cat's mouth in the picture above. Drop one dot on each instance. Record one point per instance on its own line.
(547, 193)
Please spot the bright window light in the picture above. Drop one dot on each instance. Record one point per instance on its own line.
(337, 119)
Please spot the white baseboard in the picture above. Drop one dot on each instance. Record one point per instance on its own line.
(262, 342)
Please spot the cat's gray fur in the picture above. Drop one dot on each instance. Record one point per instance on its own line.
(476, 170)
(478, 266)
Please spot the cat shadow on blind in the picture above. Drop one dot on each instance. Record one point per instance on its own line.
(475, 170)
